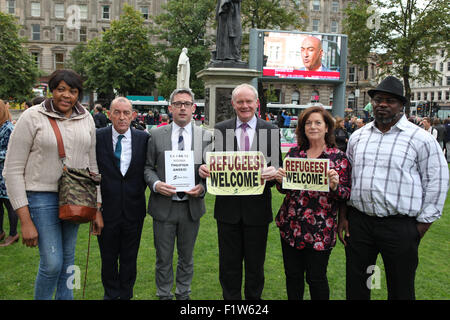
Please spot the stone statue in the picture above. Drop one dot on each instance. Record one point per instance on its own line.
(229, 30)
(183, 70)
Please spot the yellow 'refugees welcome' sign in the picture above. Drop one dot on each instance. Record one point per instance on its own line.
(235, 173)
(306, 174)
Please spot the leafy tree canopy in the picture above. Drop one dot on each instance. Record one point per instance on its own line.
(18, 71)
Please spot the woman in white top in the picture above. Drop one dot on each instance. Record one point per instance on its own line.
(32, 170)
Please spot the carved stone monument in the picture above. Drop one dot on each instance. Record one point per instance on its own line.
(226, 70)
(228, 36)
(183, 70)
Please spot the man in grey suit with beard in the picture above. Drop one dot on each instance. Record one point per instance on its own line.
(176, 215)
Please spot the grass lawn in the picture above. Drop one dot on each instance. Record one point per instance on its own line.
(19, 264)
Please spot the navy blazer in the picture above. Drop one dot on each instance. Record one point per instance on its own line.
(122, 195)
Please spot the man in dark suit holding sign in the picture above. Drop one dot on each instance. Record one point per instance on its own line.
(243, 221)
(121, 154)
(176, 215)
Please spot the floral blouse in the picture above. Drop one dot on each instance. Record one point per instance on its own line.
(308, 218)
(5, 131)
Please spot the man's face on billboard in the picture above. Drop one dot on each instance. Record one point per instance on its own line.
(311, 50)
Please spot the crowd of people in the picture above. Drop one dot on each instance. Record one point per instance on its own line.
(388, 179)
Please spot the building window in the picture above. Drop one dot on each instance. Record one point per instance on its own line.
(419, 95)
(59, 10)
(295, 97)
(83, 34)
(351, 100)
(59, 33)
(439, 95)
(448, 66)
(351, 74)
(144, 11)
(35, 9)
(59, 61)
(105, 12)
(447, 95)
(315, 96)
(441, 66)
(432, 96)
(448, 80)
(36, 58)
(334, 26)
(83, 11)
(315, 25)
(36, 32)
(11, 6)
(335, 6)
(316, 5)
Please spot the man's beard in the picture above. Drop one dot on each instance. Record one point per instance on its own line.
(387, 120)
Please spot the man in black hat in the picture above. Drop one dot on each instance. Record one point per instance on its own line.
(399, 185)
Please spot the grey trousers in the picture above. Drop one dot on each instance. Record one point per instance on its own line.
(180, 227)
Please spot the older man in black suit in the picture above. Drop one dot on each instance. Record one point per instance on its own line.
(243, 221)
(121, 155)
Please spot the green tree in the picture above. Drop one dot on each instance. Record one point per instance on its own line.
(403, 33)
(272, 14)
(122, 61)
(183, 25)
(18, 71)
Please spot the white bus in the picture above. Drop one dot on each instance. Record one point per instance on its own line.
(293, 109)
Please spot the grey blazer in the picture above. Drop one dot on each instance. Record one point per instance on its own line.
(160, 140)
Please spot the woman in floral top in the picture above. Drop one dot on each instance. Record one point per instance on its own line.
(6, 128)
(307, 219)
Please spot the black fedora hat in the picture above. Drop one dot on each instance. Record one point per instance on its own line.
(390, 85)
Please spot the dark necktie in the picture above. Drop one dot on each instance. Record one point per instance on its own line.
(118, 150)
(181, 147)
(245, 140)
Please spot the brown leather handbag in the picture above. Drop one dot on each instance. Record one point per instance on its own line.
(77, 188)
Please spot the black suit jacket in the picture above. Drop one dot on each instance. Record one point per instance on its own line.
(122, 195)
(251, 210)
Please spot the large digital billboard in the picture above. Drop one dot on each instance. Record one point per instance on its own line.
(295, 55)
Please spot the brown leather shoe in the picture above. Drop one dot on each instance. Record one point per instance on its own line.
(2, 235)
(10, 240)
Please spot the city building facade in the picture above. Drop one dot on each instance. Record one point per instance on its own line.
(51, 31)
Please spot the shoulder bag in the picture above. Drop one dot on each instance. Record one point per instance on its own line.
(77, 188)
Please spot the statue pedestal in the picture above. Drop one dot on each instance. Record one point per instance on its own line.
(219, 83)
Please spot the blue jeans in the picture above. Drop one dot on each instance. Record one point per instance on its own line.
(57, 240)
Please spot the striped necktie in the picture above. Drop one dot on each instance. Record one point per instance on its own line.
(181, 147)
(181, 140)
(118, 150)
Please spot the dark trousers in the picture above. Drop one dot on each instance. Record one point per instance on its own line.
(314, 264)
(239, 244)
(12, 216)
(397, 240)
(119, 245)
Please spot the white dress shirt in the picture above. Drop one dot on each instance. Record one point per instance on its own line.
(187, 138)
(402, 171)
(125, 156)
(251, 129)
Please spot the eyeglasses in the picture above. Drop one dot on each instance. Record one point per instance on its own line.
(378, 100)
(178, 104)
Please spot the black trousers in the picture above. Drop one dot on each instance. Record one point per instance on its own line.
(13, 218)
(314, 264)
(239, 244)
(119, 245)
(397, 239)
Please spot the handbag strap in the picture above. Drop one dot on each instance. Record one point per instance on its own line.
(59, 140)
